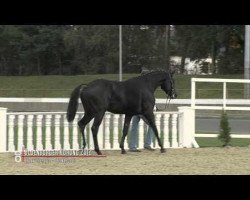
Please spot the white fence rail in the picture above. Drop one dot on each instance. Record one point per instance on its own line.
(224, 101)
(158, 101)
(47, 130)
(241, 104)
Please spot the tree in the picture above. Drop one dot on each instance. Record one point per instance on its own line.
(94, 48)
(91, 49)
(10, 42)
(231, 42)
(167, 46)
(144, 46)
(183, 35)
(224, 44)
(224, 135)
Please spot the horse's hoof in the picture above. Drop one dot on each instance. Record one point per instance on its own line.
(124, 152)
(163, 150)
(99, 153)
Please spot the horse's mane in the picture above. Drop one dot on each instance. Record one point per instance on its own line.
(154, 72)
(149, 73)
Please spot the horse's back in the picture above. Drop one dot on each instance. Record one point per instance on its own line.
(102, 95)
(127, 97)
(96, 94)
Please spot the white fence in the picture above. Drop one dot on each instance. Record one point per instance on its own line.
(224, 101)
(244, 104)
(49, 131)
(44, 130)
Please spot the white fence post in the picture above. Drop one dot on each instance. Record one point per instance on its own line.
(193, 92)
(66, 144)
(187, 127)
(11, 143)
(166, 142)
(3, 133)
(30, 145)
(48, 144)
(174, 131)
(224, 94)
(115, 132)
(58, 145)
(39, 144)
(107, 131)
(20, 132)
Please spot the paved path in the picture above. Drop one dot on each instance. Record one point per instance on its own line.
(241, 126)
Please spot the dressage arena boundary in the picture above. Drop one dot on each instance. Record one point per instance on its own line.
(51, 131)
(242, 104)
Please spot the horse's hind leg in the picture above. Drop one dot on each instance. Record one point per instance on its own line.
(95, 128)
(151, 120)
(125, 132)
(82, 124)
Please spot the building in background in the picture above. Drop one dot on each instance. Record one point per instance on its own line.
(192, 67)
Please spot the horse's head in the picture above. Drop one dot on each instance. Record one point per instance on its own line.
(168, 86)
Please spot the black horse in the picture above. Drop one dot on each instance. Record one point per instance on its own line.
(134, 96)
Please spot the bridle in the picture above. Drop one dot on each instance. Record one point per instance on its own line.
(169, 98)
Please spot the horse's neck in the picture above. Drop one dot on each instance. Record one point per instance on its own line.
(155, 81)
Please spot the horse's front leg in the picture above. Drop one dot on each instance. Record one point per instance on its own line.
(125, 132)
(151, 121)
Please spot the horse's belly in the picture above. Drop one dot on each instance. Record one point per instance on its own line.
(115, 111)
(114, 108)
(120, 109)
(123, 105)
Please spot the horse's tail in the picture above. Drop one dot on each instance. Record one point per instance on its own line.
(73, 103)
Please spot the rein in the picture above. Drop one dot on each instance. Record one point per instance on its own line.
(168, 99)
(166, 105)
(167, 102)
